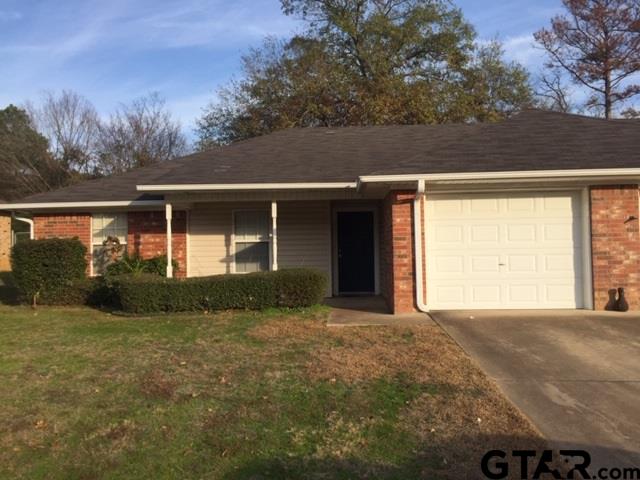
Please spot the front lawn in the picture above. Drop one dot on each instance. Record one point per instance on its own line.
(87, 395)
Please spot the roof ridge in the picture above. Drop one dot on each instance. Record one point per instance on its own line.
(572, 114)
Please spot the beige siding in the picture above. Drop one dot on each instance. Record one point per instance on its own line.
(209, 240)
(304, 236)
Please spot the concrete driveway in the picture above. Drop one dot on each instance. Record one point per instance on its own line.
(576, 375)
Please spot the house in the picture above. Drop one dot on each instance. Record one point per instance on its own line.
(538, 211)
(5, 241)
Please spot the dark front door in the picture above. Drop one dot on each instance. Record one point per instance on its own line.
(356, 252)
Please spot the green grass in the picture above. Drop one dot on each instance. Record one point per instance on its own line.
(88, 395)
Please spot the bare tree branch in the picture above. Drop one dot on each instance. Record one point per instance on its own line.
(139, 134)
(597, 43)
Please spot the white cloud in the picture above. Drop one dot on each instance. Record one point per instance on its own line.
(196, 23)
(523, 49)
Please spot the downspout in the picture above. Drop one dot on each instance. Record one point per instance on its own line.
(418, 235)
(26, 220)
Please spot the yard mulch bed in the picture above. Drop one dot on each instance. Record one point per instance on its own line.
(86, 395)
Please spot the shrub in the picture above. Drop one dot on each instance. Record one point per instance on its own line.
(95, 292)
(136, 265)
(48, 268)
(145, 293)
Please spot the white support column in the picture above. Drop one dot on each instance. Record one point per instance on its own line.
(169, 216)
(274, 236)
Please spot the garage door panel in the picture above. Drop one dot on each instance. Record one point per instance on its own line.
(515, 235)
(523, 263)
(521, 205)
(510, 251)
(484, 205)
(485, 293)
(484, 234)
(527, 293)
(523, 295)
(448, 234)
(521, 233)
(481, 264)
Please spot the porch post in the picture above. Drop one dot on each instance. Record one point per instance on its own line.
(169, 216)
(274, 236)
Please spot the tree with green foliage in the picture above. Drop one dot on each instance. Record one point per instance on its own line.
(25, 162)
(367, 62)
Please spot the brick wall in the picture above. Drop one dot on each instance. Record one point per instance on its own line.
(64, 225)
(615, 243)
(5, 242)
(396, 252)
(147, 237)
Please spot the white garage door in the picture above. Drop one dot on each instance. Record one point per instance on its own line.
(504, 251)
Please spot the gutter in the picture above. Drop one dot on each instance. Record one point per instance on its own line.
(57, 205)
(504, 176)
(245, 186)
(418, 236)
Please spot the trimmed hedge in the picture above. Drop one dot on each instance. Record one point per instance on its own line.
(94, 292)
(140, 294)
(48, 269)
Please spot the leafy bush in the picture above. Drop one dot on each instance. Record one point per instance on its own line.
(95, 292)
(146, 293)
(136, 265)
(48, 268)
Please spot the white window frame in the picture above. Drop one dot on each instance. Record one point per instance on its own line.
(232, 248)
(95, 243)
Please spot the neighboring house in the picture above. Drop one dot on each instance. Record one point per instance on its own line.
(539, 211)
(5, 241)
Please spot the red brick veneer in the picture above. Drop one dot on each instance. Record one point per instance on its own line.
(397, 258)
(147, 236)
(147, 233)
(64, 225)
(615, 243)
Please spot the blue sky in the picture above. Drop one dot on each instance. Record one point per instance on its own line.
(115, 50)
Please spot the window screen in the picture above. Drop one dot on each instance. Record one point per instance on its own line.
(252, 240)
(104, 227)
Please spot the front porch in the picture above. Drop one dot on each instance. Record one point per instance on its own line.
(368, 311)
(348, 240)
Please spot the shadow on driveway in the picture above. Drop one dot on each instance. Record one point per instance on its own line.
(575, 374)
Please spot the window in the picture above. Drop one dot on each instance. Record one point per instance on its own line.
(251, 240)
(109, 239)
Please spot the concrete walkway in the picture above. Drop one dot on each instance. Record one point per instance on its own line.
(576, 375)
(369, 311)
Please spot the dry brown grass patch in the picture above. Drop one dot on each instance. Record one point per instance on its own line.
(158, 384)
(422, 354)
(287, 329)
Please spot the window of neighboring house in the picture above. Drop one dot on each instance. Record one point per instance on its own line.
(109, 238)
(252, 240)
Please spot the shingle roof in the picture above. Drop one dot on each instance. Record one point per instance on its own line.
(531, 140)
(120, 187)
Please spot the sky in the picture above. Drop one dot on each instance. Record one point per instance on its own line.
(113, 51)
